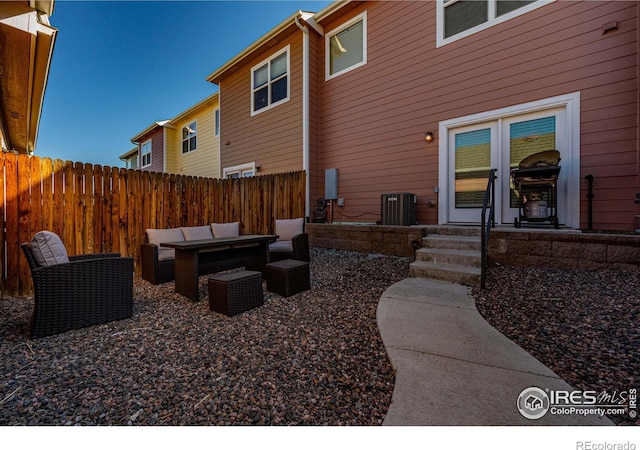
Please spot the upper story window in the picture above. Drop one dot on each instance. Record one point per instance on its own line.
(216, 122)
(460, 18)
(270, 82)
(346, 47)
(189, 137)
(145, 154)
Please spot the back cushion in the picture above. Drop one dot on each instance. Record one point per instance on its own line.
(47, 249)
(196, 233)
(286, 229)
(220, 230)
(157, 236)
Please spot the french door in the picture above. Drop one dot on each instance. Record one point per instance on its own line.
(501, 144)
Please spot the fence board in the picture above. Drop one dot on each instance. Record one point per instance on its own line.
(3, 224)
(12, 240)
(46, 170)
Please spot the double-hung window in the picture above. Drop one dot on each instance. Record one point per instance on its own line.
(346, 47)
(270, 82)
(460, 18)
(145, 154)
(189, 137)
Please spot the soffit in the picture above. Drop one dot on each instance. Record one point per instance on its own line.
(25, 59)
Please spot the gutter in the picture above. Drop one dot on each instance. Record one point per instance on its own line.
(306, 115)
(306, 121)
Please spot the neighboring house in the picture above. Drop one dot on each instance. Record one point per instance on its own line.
(357, 86)
(26, 48)
(130, 158)
(188, 144)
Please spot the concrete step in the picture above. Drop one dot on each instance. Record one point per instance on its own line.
(469, 258)
(452, 242)
(469, 276)
(453, 230)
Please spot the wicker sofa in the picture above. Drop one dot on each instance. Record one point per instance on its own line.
(158, 263)
(78, 291)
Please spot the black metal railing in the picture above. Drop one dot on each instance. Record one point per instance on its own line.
(486, 223)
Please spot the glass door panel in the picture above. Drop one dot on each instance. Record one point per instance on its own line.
(522, 137)
(470, 160)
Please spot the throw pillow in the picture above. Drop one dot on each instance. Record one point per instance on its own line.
(197, 233)
(47, 249)
(286, 229)
(220, 230)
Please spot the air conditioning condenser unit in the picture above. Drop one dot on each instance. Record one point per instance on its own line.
(398, 209)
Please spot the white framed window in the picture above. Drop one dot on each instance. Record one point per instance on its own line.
(240, 171)
(270, 82)
(216, 121)
(457, 19)
(145, 154)
(189, 138)
(346, 47)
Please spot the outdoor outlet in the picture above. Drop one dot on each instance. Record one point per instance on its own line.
(341, 202)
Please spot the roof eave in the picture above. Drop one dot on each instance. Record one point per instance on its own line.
(194, 108)
(330, 9)
(128, 154)
(45, 41)
(218, 74)
(149, 129)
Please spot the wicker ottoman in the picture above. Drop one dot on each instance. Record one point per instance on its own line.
(235, 292)
(287, 277)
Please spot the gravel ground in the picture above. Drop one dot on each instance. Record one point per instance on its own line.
(315, 358)
(583, 325)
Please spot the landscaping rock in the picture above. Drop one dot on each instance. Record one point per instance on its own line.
(315, 358)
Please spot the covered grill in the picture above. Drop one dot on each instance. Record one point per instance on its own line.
(535, 183)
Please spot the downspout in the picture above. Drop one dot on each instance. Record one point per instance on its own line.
(305, 111)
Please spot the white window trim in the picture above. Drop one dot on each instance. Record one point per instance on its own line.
(239, 169)
(571, 102)
(142, 165)
(441, 40)
(268, 61)
(195, 134)
(327, 43)
(216, 122)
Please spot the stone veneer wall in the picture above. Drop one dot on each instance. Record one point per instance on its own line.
(567, 250)
(388, 240)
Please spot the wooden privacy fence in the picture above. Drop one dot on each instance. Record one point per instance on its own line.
(98, 209)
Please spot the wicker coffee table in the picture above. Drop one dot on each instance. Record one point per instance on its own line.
(287, 277)
(235, 292)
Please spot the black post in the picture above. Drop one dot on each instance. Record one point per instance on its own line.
(589, 201)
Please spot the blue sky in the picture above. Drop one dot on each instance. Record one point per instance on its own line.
(119, 66)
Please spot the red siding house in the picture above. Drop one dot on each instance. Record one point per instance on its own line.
(151, 152)
(358, 86)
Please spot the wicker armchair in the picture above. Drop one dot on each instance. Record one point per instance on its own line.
(88, 290)
(292, 243)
